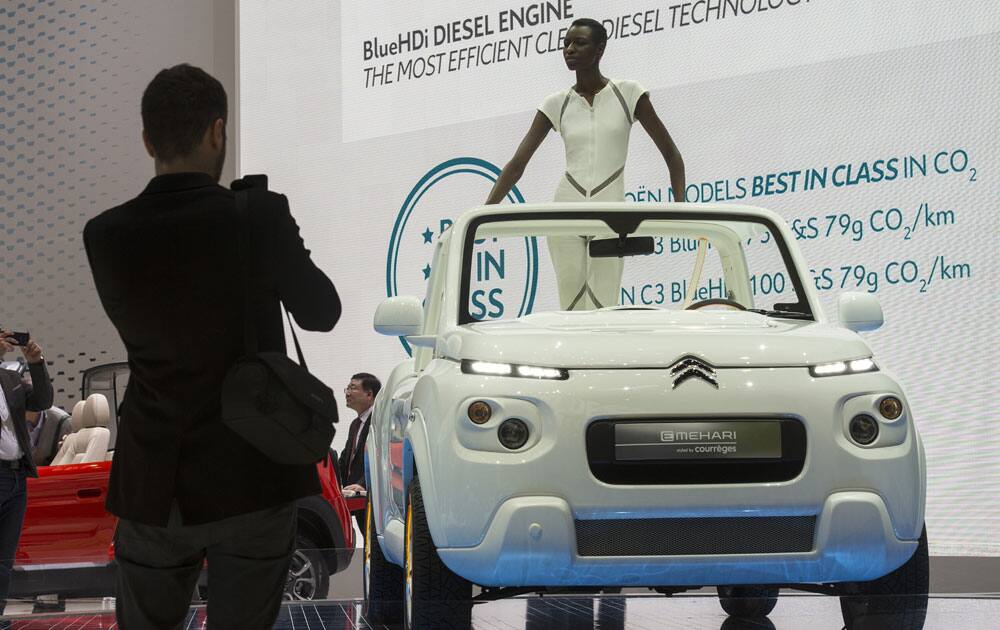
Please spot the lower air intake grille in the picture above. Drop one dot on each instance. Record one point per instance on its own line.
(695, 536)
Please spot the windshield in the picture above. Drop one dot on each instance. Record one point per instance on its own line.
(515, 265)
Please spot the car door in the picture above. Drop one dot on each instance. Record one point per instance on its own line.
(396, 415)
(400, 387)
(65, 522)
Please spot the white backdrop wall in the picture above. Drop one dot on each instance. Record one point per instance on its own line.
(893, 102)
(72, 74)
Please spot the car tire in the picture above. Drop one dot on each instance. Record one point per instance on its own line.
(433, 595)
(308, 576)
(897, 601)
(383, 581)
(748, 602)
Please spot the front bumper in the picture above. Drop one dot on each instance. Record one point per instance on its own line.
(481, 499)
(531, 541)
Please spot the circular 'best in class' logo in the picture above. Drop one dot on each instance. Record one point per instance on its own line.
(504, 271)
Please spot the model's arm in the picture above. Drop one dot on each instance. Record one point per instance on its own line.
(512, 172)
(651, 122)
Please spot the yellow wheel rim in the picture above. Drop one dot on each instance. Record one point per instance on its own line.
(408, 560)
(368, 530)
(368, 547)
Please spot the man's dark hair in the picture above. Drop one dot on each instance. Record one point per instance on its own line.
(597, 29)
(369, 382)
(179, 104)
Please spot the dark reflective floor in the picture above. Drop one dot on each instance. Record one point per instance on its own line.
(635, 609)
(793, 612)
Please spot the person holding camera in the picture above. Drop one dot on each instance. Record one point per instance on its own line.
(17, 396)
(168, 269)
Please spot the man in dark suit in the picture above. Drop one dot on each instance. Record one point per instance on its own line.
(48, 429)
(17, 395)
(168, 271)
(360, 396)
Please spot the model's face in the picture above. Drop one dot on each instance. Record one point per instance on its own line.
(579, 49)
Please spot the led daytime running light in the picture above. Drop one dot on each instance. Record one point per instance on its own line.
(829, 369)
(485, 367)
(856, 366)
(538, 372)
(862, 365)
(507, 369)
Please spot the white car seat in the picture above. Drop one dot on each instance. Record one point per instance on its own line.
(76, 416)
(91, 436)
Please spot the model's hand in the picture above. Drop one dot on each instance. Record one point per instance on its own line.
(354, 489)
(32, 351)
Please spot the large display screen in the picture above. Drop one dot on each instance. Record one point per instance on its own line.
(871, 127)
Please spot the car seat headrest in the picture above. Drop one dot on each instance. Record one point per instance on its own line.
(96, 411)
(76, 418)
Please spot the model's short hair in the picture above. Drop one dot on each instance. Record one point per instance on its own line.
(178, 105)
(369, 382)
(596, 28)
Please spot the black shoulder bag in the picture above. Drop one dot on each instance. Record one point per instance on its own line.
(269, 400)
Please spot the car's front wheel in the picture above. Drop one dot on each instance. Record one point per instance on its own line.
(748, 602)
(383, 581)
(308, 576)
(434, 596)
(897, 601)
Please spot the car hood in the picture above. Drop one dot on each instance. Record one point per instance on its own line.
(621, 338)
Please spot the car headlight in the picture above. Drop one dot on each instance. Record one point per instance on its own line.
(855, 366)
(488, 368)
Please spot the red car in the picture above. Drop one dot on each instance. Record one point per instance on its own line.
(67, 541)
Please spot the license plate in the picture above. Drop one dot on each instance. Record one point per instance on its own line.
(744, 439)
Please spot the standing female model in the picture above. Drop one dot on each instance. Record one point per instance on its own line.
(594, 118)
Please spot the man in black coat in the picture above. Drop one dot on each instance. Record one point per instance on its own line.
(17, 396)
(167, 268)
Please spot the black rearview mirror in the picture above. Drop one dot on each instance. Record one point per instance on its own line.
(621, 247)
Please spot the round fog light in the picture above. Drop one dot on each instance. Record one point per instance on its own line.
(890, 407)
(480, 412)
(513, 433)
(864, 429)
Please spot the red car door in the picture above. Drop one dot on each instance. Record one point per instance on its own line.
(65, 522)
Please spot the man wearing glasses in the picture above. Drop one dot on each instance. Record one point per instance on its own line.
(360, 396)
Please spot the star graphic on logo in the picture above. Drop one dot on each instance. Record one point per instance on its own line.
(428, 235)
(427, 271)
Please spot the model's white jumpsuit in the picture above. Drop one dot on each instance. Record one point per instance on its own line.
(596, 140)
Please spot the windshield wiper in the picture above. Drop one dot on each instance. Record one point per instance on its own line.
(782, 314)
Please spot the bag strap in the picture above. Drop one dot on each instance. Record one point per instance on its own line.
(249, 326)
(295, 338)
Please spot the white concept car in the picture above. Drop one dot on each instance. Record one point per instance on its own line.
(709, 428)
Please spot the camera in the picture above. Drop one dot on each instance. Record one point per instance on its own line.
(18, 338)
(248, 182)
